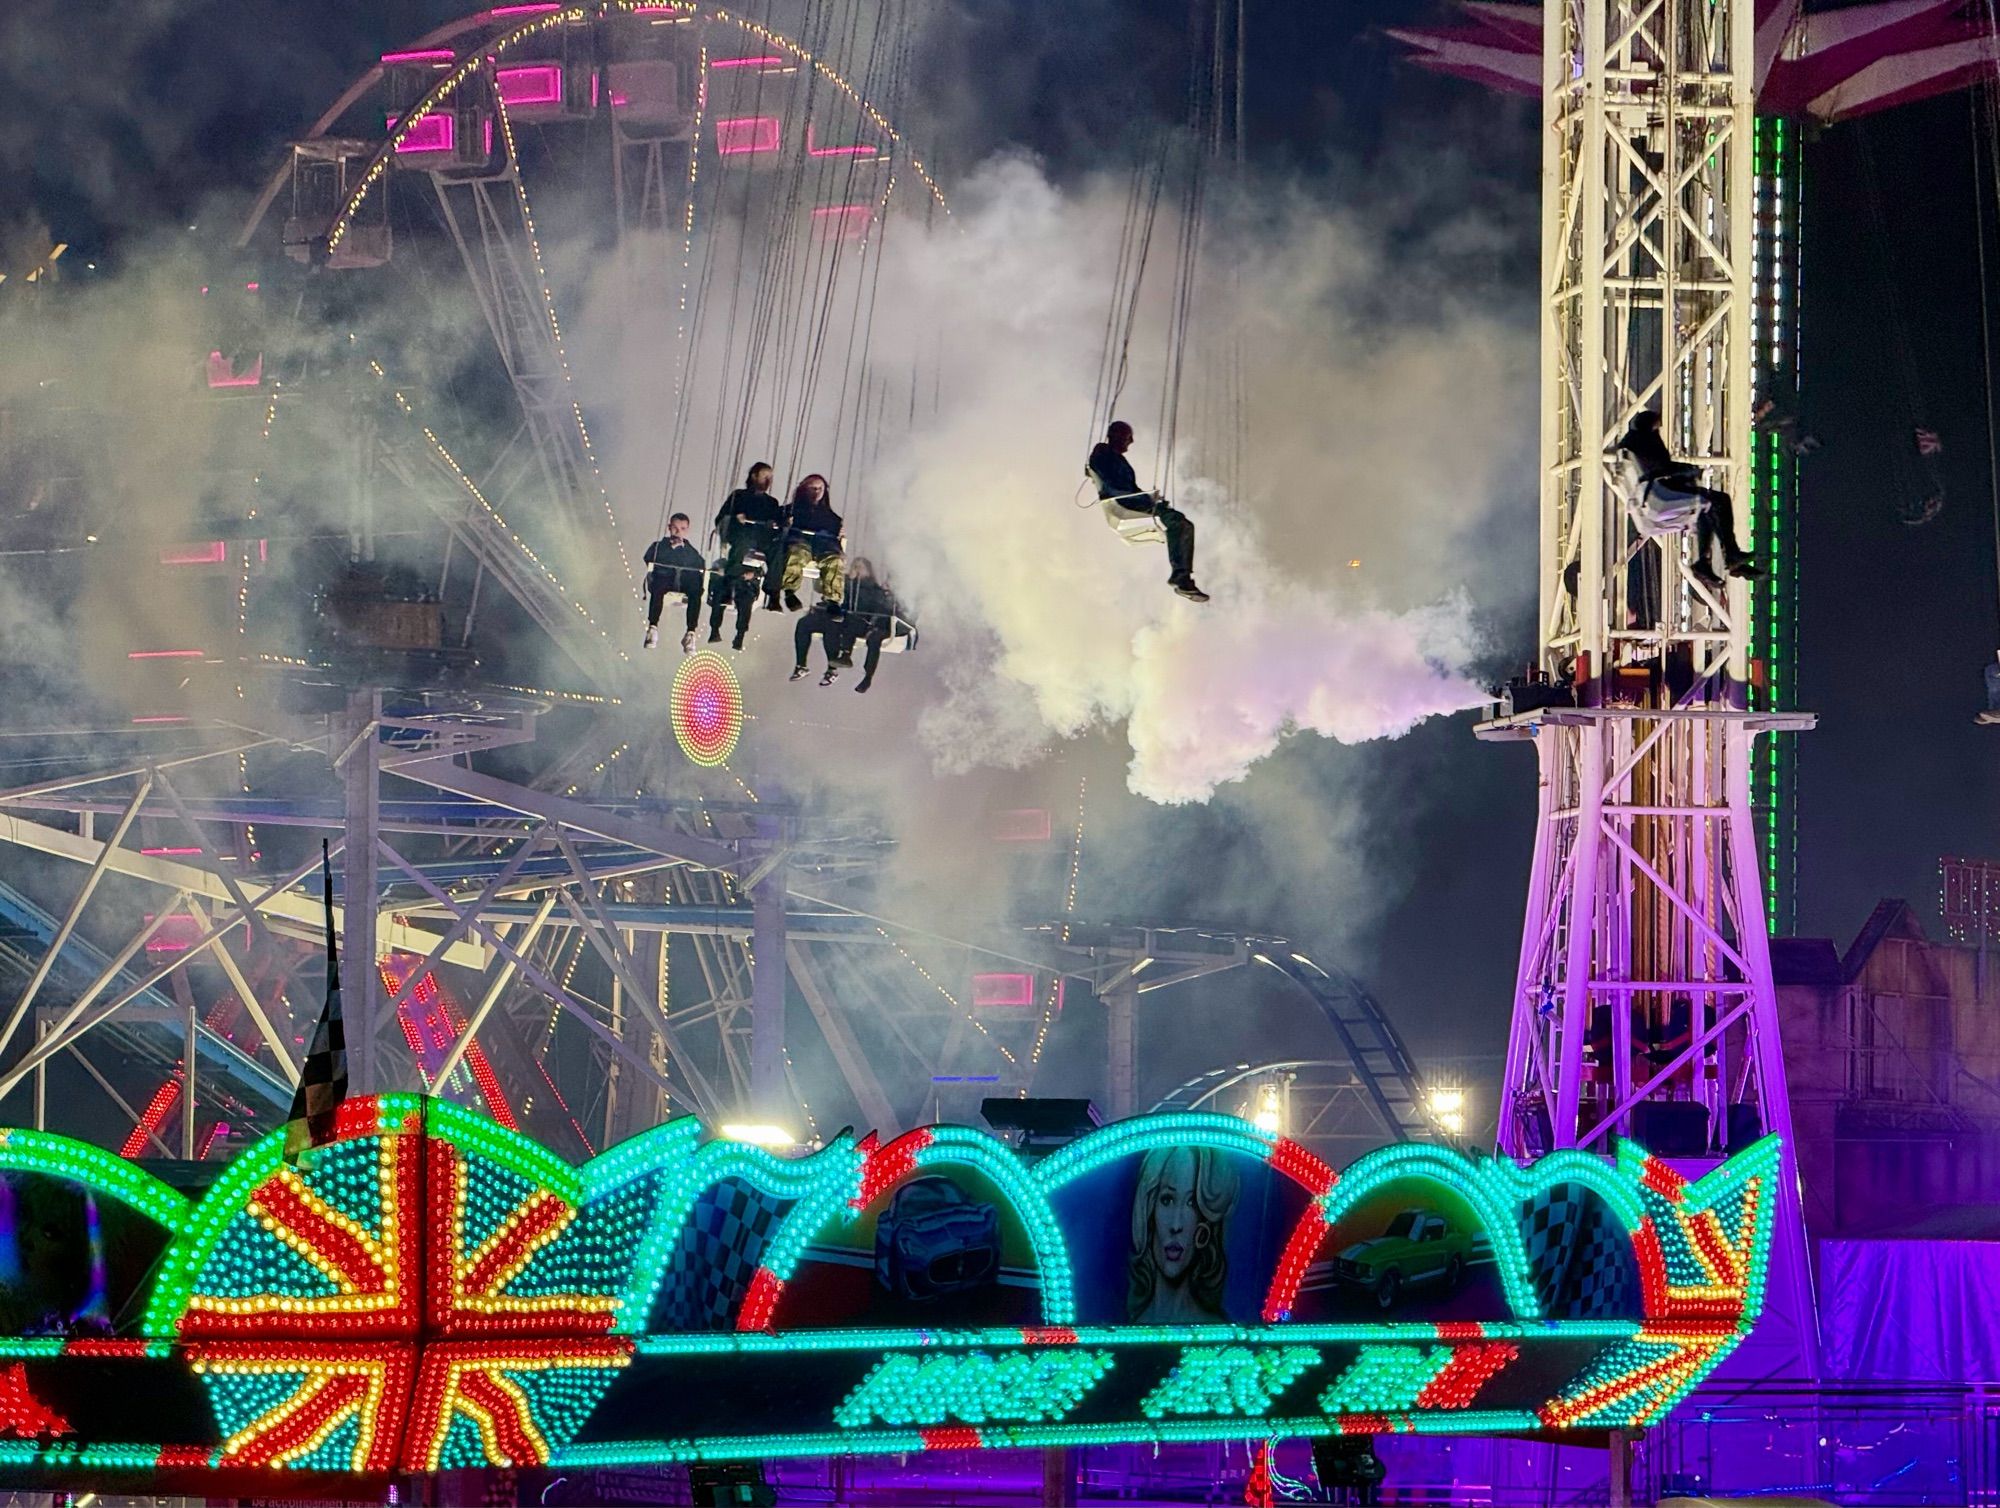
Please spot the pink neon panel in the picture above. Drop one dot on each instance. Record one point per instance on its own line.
(164, 717)
(748, 133)
(222, 374)
(855, 149)
(211, 552)
(765, 60)
(1002, 991)
(521, 10)
(844, 222)
(531, 84)
(166, 654)
(170, 852)
(428, 133)
(1027, 824)
(436, 55)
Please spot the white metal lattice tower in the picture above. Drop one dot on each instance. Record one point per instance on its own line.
(1644, 1003)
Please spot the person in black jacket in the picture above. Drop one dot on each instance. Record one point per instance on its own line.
(871, 615)
(749, 521)
(1115, 479)
(677, 566)
(812, 532)
(1714, 525)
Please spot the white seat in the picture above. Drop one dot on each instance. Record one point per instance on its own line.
(1133, 526)
(1658, 507)
(902, 637)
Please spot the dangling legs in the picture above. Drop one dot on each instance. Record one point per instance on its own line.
(656, 593)
(1718, 519)
(1180, 550)
(802, 638)
(873, 658)
(696, 580)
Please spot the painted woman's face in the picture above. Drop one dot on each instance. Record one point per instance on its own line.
(1174, 1217)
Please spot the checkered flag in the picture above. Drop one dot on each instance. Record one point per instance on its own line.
(323, 1077)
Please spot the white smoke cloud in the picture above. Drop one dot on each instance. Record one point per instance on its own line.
(980, 515)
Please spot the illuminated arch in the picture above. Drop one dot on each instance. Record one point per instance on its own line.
(493, 48)
(1494, 1199)
(1192, 1128)
(827, 1178)
(99, 1171)
(885, 1167)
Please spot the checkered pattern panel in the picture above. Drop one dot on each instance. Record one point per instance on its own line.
(1579, 1255)
(716, 1256)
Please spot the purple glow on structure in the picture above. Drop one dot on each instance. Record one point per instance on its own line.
(221, 373)
(530, 84)
(162, 717)
(166, 654)
(172, 853)
(520, 10)
(214, 552)
(748, 133)
(427, 133)
(855, 149)
(1002, 991)
(437, 56)
(846, 222)
(766, 60)
(177, 933)
(618, 101)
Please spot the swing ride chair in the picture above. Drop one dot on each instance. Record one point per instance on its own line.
(902, 633)
(1132, 525)
(1661, 511)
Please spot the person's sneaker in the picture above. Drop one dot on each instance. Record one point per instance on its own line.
(771, 603)
(828, 678)
(687, 642)
(798, 672)
(1746, 568)
(652, 636)
(792, 603)
(864, 683)
(1189, 590)
(1703, 572)
(715, 636)
(737, 642)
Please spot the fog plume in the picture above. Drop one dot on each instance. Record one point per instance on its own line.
(986, 522)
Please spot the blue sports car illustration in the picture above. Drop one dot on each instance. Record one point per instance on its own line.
(933, 1240)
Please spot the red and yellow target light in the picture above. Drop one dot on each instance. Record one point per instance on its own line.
(707, 706)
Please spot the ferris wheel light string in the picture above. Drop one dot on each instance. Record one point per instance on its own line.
(472, 487)
(1069, 910)
(951, 999)
(555, 326)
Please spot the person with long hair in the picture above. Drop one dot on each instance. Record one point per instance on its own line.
(812, 533)
(1178, 1267)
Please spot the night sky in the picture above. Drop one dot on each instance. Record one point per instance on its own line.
(116, 128)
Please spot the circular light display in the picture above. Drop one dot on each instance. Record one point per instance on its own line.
(707, 707)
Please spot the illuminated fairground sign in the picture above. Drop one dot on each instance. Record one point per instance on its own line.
(434, 1292)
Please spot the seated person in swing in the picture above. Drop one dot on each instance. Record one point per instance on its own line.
(1117, 482)
(677, 566)
(812, 532)
(872, 615)
(749, 521)
(1669, 491)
